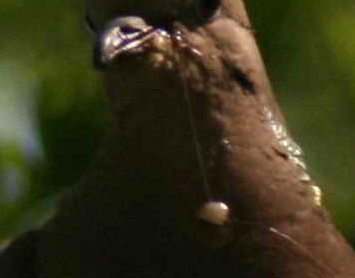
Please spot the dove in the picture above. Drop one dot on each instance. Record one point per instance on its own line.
(198, 175)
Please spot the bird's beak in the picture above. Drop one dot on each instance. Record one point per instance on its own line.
(122, 36)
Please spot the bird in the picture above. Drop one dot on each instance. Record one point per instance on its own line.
(198, 175)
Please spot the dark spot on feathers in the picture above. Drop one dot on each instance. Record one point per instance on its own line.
(239, 76)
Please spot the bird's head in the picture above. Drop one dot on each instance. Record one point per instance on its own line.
(152, 51)
(133, 27)
(210, 39)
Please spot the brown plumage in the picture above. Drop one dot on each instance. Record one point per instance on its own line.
(137, 212)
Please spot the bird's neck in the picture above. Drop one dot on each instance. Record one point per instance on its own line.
(152, 143)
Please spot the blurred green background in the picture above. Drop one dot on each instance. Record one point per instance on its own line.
(53, 112)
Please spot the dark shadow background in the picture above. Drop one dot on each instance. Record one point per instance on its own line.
(53, 112)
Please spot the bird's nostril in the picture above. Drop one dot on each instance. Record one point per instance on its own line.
(130, 30)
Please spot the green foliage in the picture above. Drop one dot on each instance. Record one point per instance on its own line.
(52, 110)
